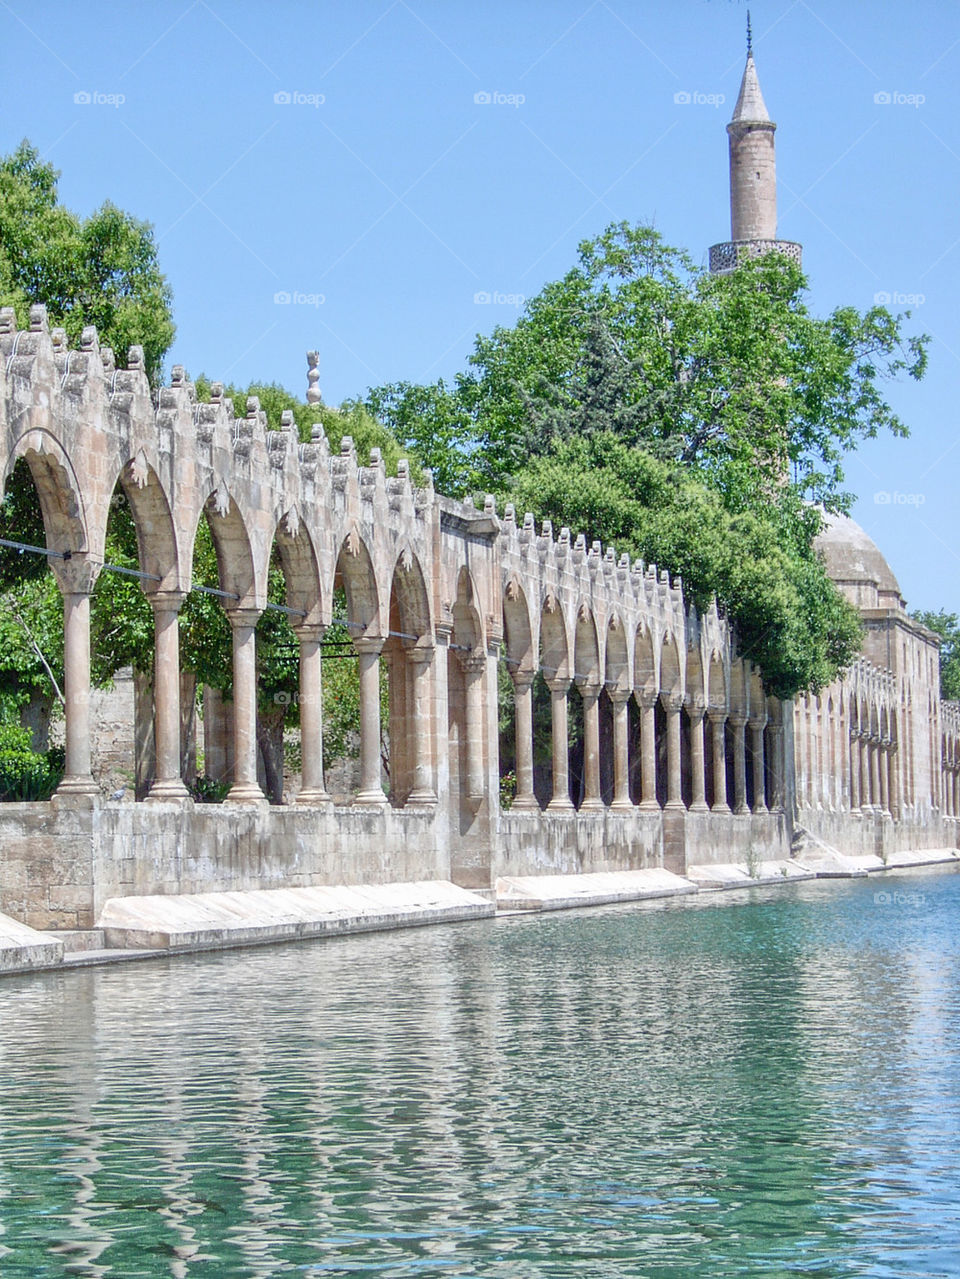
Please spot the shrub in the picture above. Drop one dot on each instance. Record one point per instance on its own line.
(26, 774)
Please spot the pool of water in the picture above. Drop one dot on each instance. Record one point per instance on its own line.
(763, 1084)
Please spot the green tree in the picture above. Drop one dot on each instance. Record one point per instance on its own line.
(100, 270)
(947, 626)
(729, 374)
(790, 618)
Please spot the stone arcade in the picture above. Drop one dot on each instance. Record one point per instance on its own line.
(440, 590)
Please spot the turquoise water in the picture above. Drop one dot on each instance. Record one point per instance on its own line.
(738, 1086)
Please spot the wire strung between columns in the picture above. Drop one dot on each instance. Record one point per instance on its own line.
(140, 575)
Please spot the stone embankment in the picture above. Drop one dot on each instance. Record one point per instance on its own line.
(147, 927)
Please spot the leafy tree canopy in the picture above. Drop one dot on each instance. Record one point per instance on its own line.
(947, 626)
(98, 270)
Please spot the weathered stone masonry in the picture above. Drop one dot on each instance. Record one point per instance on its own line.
(685, 760)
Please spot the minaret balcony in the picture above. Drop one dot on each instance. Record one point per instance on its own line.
(728, 256)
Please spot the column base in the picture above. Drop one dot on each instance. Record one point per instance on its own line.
(245, 793)
(375, 798)
(699, 806)
(525, 804)
(561, 806)
(760, 809)
(423, 798)
(741, 810)
(721, 808)
(649, 806)
(78, 784)
(593, 805)
(170, 789)
(623, 806)
(675, 806)
(314, 797)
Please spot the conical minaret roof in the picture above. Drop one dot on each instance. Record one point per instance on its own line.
(750, 104)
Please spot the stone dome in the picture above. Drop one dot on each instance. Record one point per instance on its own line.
(857, 565)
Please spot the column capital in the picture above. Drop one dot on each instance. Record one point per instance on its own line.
(716, 714)
(473, 663)
(589, 692)
(240, 617)
(646, 698)
(672, 702)
(695, 714)
(523, 679)
(307, 631)
(166, 601)
(559, 685)
(619, 696)
(737, 720)
(756, 722)
(420, 655)
(368, 645)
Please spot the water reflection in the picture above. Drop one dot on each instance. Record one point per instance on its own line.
(751, 1086)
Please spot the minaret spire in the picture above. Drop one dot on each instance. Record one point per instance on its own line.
(753, 177)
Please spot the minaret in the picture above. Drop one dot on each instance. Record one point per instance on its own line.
(753, 178)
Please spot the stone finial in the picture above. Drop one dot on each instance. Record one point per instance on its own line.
(178, 375)
(313, 378)
(135, 360)
(108, 360)
(376, 458)
(403, 469)
(253, 407)
(216, 393)
(8, 320)
(88, 338)
(489, 504)
(346, 445)
(287, 420)
(317, 433)
(509, 514)
(38, 319)
(546, 530)
(528, 521)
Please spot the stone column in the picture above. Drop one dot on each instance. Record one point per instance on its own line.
(865, 804)
(875, 799)
(776, 768)
(621, 752)
(592, 800)
(854, 771)
(77, 777)
(312, 787)
(561, 764)
(473, 665)
(673, 705)
(245, 788)
(698, 792)
(421, 669)
(883, 750)
(738, 724)
(523, 717)
(648, 751)
(718, 720)
(168, 783)
(369, 648)
(759, 780)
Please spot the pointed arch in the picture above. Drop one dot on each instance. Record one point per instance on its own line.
(58, 489)
(354, 571)
(586, 648)
(616, 659)
(554, 646)
(519, 648)
(301, 568)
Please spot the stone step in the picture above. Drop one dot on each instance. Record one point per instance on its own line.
(213, 920)
(23, 949)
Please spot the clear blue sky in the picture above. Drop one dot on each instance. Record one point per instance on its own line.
(398, 197)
